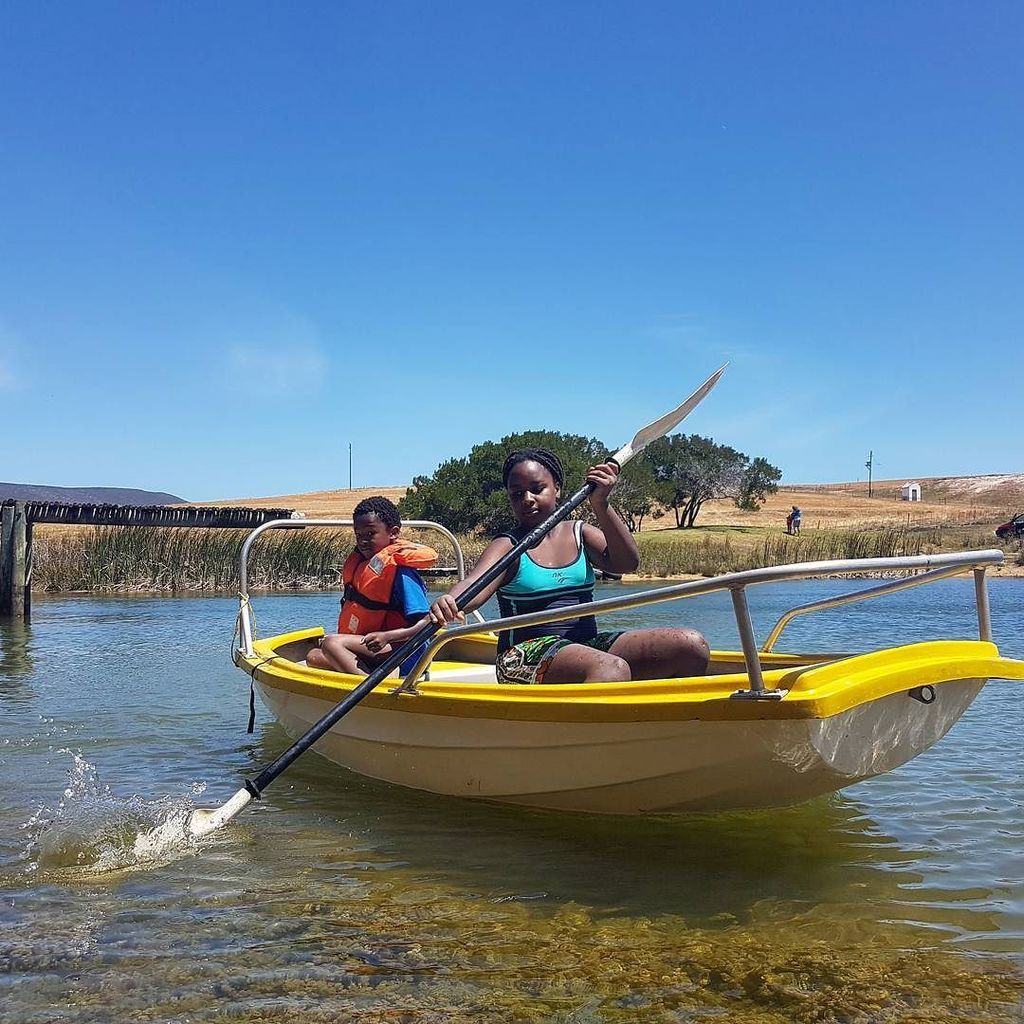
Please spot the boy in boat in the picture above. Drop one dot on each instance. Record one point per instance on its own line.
(384, 598)
(559, 572)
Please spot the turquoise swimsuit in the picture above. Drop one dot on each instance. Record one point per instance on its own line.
(537, 587)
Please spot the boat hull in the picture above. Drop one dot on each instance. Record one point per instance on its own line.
(630, 766)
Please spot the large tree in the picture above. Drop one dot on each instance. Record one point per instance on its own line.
(636, 494)
(688, 471)
(760, 479)
(466, 493)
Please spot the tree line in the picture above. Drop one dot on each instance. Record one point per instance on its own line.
(675, 474)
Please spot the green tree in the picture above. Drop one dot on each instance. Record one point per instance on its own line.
(688, 471)
(760, 479)
(466, 494)
(635, 495)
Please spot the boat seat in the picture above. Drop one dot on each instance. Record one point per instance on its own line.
(460, 672)
(450, 672)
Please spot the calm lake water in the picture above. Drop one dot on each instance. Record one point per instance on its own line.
(337, 899)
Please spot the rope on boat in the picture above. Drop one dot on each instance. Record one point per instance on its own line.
(243, 602)
(252, 689)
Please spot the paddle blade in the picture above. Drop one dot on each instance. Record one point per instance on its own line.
(660, 427)
(203, 821)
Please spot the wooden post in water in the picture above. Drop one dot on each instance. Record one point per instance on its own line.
(27, 609)
(15, 574)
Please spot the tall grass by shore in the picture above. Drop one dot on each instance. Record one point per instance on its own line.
(710, 556)
(141, 559)
(171, 560)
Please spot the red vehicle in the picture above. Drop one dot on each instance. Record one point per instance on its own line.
(1011, 529)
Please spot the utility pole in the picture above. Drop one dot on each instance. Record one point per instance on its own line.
(350, 465)
(868, 464)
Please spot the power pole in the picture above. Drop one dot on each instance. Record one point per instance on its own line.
(868, 464)
(350, 465)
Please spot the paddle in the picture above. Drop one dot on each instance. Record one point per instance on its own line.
(204, 821)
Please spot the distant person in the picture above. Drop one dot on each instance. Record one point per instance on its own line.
(794, 520)
(384, 600)
(558, 572)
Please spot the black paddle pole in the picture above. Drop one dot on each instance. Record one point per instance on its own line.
(204, 821)
(425, 632)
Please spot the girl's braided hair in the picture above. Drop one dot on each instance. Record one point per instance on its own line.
(548, 459)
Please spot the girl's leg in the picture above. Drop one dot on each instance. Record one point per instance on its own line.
(579, 664)
(662, 653)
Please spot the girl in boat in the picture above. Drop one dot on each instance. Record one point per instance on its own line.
(559, 572)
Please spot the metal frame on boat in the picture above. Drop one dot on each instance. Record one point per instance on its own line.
(928, 569)
(246, 634)
(940, 566)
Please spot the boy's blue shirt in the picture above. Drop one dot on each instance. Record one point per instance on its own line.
(409, 595)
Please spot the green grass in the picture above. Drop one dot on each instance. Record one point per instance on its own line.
(710, 555)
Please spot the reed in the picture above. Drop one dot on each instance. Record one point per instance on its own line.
(703, 556)
(126, 559)
(819, 545)
(142, 559)
(710, 556)
(171, 560)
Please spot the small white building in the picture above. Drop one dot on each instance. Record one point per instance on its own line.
(910, 492)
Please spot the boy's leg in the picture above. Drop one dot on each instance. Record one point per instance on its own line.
(344, 652)
(663, 653)
(339, 652)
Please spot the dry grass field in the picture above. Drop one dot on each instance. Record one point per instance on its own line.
(839, 521)
(846, 506)
(961, 511)
(318, 504)
(964, 511)
(948, 501)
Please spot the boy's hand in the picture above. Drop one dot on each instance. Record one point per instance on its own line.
(445, 610)
(377, 643)
(604, 478)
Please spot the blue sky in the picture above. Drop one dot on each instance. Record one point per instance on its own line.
(236, 237)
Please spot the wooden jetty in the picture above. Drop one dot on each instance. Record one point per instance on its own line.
(18, 517)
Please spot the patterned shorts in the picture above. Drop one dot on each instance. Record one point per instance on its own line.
(526, 663)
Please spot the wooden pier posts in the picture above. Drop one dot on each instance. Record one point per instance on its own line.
(15, 561)
(17, 517)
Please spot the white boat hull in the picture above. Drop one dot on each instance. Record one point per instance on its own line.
(630, 767)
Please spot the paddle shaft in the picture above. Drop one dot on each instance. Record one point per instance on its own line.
(424, 633)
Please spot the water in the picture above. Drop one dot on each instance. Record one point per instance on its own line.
(337, 898)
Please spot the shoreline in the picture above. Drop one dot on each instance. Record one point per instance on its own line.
(1004, 572)
(994, 572)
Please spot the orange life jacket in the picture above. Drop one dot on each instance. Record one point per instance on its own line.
(366, 605)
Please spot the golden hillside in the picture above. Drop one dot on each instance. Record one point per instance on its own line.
(947, 500)
(318, 504)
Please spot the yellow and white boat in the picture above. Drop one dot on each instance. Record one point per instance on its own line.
(761, 729)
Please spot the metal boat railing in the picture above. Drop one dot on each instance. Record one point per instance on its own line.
(929, 567)
(244, 629)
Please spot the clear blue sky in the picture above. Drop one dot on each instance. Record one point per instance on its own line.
(236, 237)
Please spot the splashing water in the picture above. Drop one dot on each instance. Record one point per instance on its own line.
(94, 831)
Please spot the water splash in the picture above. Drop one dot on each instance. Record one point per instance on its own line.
(94, 831)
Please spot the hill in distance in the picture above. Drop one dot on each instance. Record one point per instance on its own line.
(319, 504)
(996, 489)
(947, 500)
(88, 495)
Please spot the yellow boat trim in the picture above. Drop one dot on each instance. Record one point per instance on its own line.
(815, 691)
